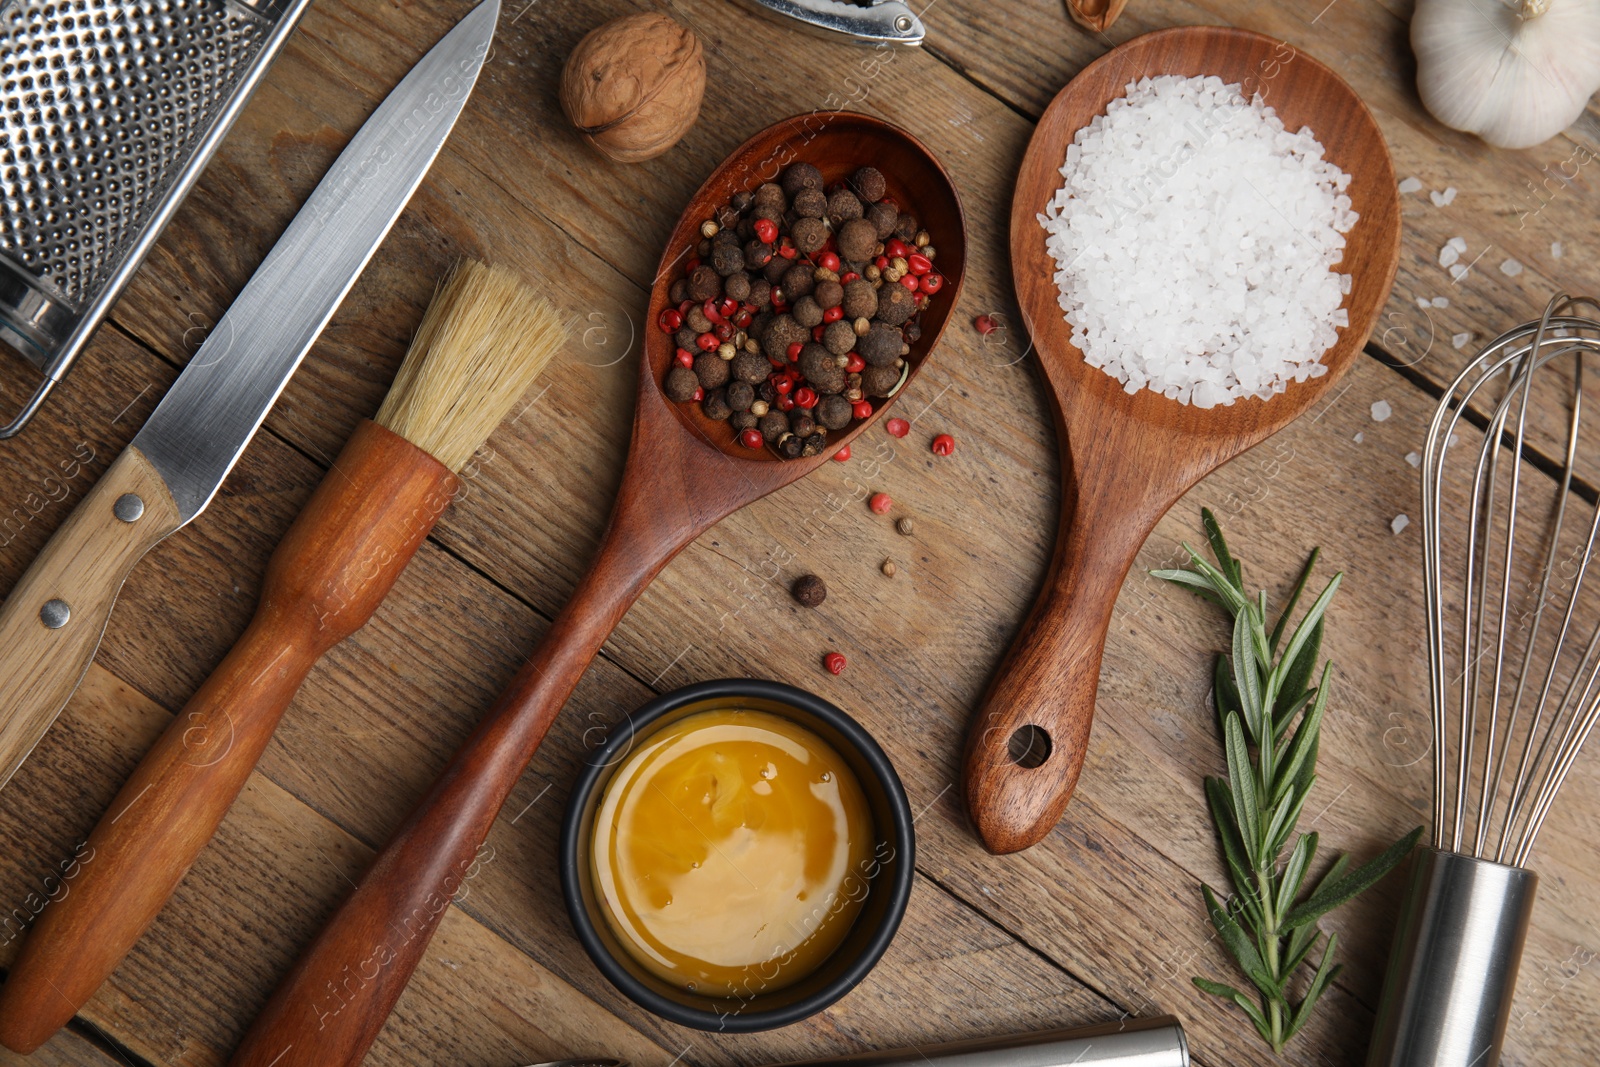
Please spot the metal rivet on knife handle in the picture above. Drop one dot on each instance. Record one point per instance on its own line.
(55, 613)
(129, 507)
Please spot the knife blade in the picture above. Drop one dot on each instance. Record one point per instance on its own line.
(51, 624)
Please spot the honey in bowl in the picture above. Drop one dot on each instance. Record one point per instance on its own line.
(731, 852)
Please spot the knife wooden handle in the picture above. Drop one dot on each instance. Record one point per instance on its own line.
(51, 623)
(325, 580)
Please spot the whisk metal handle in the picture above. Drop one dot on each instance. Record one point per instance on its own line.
(1447, 996)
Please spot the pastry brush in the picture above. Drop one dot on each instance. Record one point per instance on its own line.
(484, 338)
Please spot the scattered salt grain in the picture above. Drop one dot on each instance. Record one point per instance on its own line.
(1448, 255)
(1179, 277)
(1443, 199)
(1424, 303)
(1441, 301)
(1458, 272)
(1359, 437)
(1410, 185)
(1459, 341)
(1414, 458)
(1555, 249)
(1458, 243)
(1399, 523)
(1381, 410)
(1511, 268)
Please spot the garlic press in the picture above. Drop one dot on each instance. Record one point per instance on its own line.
(870, 22)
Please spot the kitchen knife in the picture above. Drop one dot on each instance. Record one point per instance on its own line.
(51, 623)
(878, 22)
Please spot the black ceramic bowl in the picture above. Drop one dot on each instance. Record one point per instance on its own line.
(889, 886)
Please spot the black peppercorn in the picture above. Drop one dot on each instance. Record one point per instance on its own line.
(737, 286)
(773, 425)
(912, 330)
(821, 368)
(681, 384)
(774, 270)
(757, 254)
(766, 391)
(802, 424)
(685, 338)
(878, 381)
(790, 446)
(810, 204)
(760, 292)
(711, 369)
(869, 184)
(839, 337)
(895, 304)
(906, 227)
(801, 176)
(880, 345)
(740, 395)
(742, 420)
(727, 215)
(829, 294)
(697, 321)
(678, 292)
(843, 205)
(799, 280)
(727, 256)
(715, 405)
(771, 210)
(809, 591)
(833, 412)
(858, 239)
(749, 367)
(769, 193)
(807, 312)
(814, 444)
(742, 201)
(703, 249)
(809, 235)
(860, 299)
(884, 219)
(783, 332)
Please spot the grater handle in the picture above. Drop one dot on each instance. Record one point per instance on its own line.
(50, 624)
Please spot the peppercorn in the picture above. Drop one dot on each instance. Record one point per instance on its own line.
(843, 205)
(800, 176)
(765, 394)
(681, 384)
(807, 312)
(943, 445)
(857, 238)
(809, 591)
(791, 446)
(737, 285)
(760, 292)
(833, 412)
(834, 663)
(749, 367)
(897, 427)
(773, 425)
(769, 193)
(760, 406)
(711, 370)
(771, 212)
(757, 254)
(810, 204)
(861, 326)
(696, 320)
(809, 235)
(843, 455)
(880, 381)
(742, 200)
(889, 568)
(678, 291)
(880, 346)
(783, 332)
(884, 219)
(814, 444)
(906, 227)
(829, 293)
(686, 338)
(726, 256)
(740, 395)
(880, 503)
(742, 420)
(839, 337)
(821, 368)
(895, 304)
(860, 299)
(799, 280)
(905, 526)
(802, 424)
(912, 331)
(715, 405)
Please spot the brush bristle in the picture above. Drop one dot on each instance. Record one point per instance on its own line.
(484, 338)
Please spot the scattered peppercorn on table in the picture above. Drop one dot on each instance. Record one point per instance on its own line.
(1103, 918)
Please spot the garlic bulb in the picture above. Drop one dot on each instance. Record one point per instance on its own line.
(1514, 72)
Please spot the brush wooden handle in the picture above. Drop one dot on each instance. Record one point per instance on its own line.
(329, 1009)
(82, 567)
(325, 580)
(1049, 678)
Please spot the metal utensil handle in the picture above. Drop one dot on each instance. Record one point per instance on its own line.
(1153, 1042)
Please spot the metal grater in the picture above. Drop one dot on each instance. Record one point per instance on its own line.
(109, 110)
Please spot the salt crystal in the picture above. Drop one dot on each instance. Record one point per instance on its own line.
(1441, 301)
(1511, 268)
(1458, 272)
(1459, 340)
(1410, 185)
(1424, 303)
(1359, 437)
(1381, 410)
(1414, 458)
(1555, 249)
(1448, 255)
(1443, 199)
(1177, 276)
(1399, 523)
(1458, 243)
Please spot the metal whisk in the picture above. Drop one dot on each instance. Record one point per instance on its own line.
(1513, 608)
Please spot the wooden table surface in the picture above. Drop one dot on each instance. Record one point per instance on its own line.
(1101, 920)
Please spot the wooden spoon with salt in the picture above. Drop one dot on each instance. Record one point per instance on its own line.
(1127, 458)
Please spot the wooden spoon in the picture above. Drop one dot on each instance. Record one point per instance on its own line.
(1125, 459)
(684, 473)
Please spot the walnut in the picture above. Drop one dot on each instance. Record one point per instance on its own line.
(633, 85)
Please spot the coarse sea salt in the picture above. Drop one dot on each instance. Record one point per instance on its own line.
(1194, 238)
(1410, 185)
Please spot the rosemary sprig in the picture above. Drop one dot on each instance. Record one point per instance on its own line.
(1271, 719)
